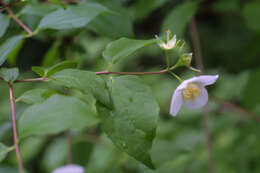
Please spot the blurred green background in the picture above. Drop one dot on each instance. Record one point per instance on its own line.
(229, 33)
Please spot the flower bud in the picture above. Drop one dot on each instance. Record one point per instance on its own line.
(184, 60)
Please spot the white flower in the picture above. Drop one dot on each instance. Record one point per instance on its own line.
(170, 42)
(191, 93)
(69, 169)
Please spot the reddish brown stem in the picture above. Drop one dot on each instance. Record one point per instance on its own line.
(97, 73)
(131, 73)
(10, 12)
(15, 136)
(31, 80)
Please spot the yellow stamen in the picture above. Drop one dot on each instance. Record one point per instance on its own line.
(192, 91)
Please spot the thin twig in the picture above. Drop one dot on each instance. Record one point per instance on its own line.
(15, 136)
(31, 80)
(97, 73)
(131, 73)
(199, 65)
(10, 12)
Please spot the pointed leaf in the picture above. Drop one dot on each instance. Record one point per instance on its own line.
(124, 47)
(131, 125)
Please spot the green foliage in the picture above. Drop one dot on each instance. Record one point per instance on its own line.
(4, 23)
(85, 81)
(133, 117)
(56, 114)
(8, 46)
(72, 17)
(36, 95)
(47, 72)
(76, 89)
(122, 48)
(3, 151)
(9, 74)
(179, 17)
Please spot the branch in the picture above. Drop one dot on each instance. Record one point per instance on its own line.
(15, 136)
(97, 73)
(10, 12)
(199, 65)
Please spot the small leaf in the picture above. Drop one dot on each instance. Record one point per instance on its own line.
(39, 70)
(33, 96)
(56, 114)
(131, 125)
(61, 66)
(4, 23)
(85, 81)
(124, 47)
(75, 16)
(8, 46)
(9, 74)
(179, 17)
(3, 151)
(47, 72)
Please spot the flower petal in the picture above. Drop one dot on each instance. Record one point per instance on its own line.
(199, 102)
(207, 79)
(176, 103)
(203, 80)
(69, 169)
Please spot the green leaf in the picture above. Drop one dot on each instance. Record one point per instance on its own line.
(39, 70)
(4, 23)
(124, 47)
(119, 25)
(47, 72)
(131, 125)
(61, 66)
(9, 74)
(251, 15)
(38, 9)
(3, 151)
(85, 81)
(179, 17)
(56, 114)
(75, 16)
(8, 46)
(36, 95)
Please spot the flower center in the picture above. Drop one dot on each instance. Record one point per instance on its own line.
(192, 91)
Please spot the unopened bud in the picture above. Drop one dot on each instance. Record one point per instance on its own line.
(185, 60)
